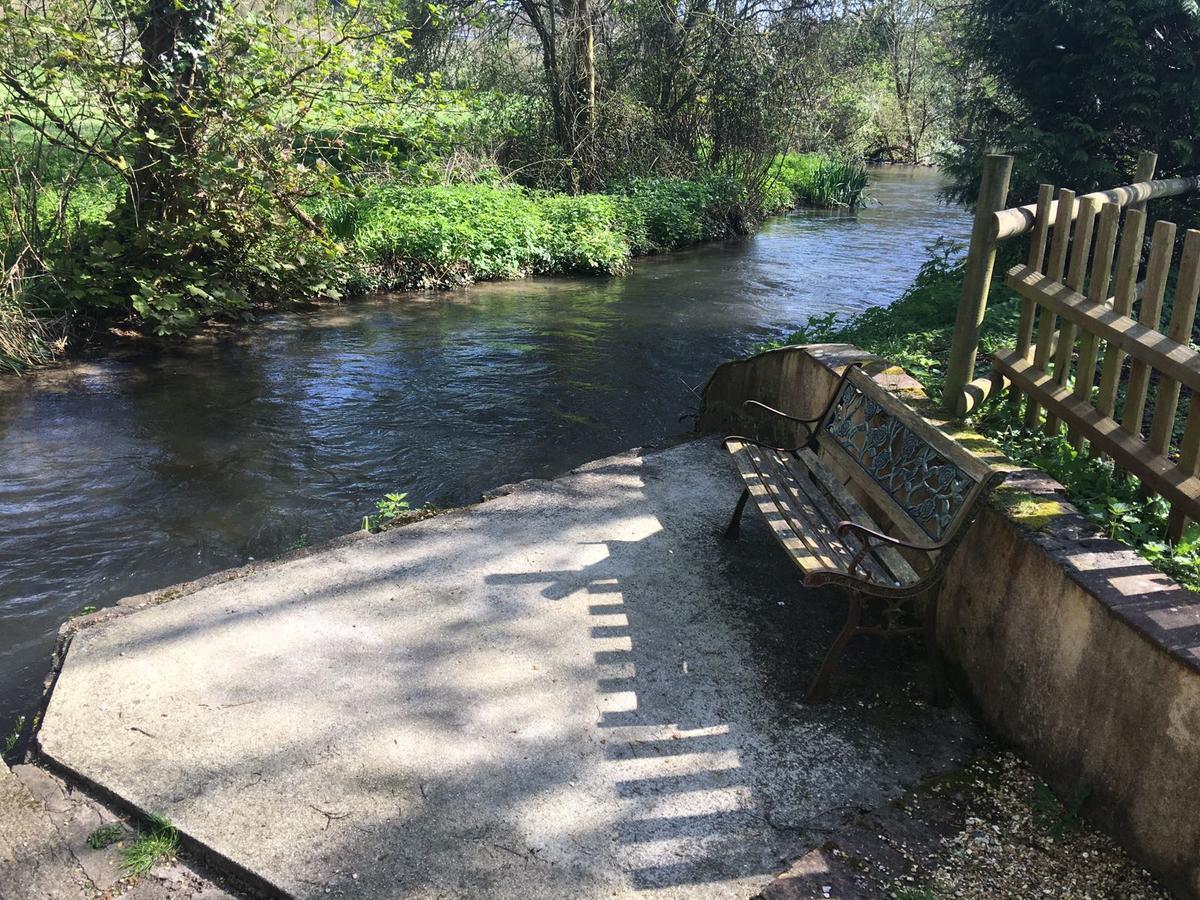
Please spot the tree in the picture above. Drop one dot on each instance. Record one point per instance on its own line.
(1076, 88)
(566, 30)
(913, 39)
(200, 122)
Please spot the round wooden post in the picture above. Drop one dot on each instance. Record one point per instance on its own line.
(1146, 164)
(977, 277)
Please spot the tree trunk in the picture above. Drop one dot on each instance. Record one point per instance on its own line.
(578, 84)
(174, 39)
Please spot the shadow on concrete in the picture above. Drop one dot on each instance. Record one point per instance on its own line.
(573, 691)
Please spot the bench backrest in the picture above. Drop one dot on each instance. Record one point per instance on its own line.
(920, 478)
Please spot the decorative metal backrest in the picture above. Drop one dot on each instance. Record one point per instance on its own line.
(928, 488)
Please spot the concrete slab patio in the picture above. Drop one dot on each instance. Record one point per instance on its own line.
(576, 689)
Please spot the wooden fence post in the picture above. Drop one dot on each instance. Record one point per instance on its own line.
(1146, 164)
(977, 278)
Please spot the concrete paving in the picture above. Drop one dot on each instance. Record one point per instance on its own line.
(575, 689)
(45, 853)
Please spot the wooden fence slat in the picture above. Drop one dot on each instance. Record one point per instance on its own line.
(1189, 455)
(1097, 292)
(1182, 315)
(1054, 269)
(1175, 359)
(1129, 254)
(1081, 244)
(1037, 255)
(1157, 472)
(1162, 247)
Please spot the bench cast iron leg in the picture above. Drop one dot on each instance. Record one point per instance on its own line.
(941, 696)
(735, 523)
(819, 692)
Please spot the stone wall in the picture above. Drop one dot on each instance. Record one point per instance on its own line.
(1071, 646)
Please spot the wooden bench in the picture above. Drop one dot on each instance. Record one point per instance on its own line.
(922, 488)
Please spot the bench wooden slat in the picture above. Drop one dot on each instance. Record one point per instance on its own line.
(821, 515)
(899, 567)
(803, 510)
(808, 557)
(808, 515)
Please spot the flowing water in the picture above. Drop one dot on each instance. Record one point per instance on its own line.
(123, 476)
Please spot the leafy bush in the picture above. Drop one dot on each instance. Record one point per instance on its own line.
(448, 234)
(672, 212)
(406, 237)
(582, 234)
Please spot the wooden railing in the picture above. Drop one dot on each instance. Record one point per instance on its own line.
(1089, 335)
(993, 224)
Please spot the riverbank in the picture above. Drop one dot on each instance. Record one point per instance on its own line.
(391, 236)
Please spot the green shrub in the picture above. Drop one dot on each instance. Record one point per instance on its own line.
(816, 180)
(584, 234)
(427, 236)
(674, 212)
(777, 195)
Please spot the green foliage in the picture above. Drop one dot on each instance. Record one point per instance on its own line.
(1053, 815)
(819, 181)
(1105, 494)
(1075, 89)
(665, 213)
(438, 235)
(388, 509)
(165, 188)
(106, 835)
(10, 740)
(157, 843)
(916, 894)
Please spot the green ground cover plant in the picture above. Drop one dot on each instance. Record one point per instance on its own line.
(156, 843)
(438, 235)
(824, 182)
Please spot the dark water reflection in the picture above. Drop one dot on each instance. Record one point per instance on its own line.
(120, 477)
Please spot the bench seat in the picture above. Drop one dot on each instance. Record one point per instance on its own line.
(923, 489)
(804, 504)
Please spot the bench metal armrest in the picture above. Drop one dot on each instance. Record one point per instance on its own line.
(807, 423)
(874, 539)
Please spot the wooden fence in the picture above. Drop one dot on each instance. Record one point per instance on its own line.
(1089, 333)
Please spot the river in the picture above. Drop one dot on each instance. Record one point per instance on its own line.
(125, 475)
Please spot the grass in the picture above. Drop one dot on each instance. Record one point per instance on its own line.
(158, 842)
(10, 740)
(816, 180)
(106, 835)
